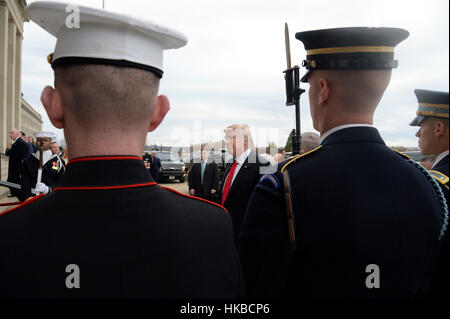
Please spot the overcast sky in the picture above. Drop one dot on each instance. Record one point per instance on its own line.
(231, 69)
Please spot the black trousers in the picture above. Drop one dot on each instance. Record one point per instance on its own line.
(16, 180)
(204, 192)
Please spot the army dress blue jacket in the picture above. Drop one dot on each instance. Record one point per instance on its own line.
(356, 204)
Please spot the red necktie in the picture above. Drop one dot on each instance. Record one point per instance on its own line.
(227, 186)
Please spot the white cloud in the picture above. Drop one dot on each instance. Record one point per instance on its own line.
(231, 69)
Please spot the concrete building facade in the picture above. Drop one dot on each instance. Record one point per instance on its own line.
(15, 112)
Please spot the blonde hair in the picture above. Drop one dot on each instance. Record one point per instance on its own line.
(104, 96)
(244, 130)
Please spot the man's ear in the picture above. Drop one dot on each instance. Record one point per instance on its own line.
(439, 128)
(324, 91)
(51, 100)
(161, 109)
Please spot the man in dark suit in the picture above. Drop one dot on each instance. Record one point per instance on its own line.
(432, 117)
(320, 228)
(203, 178)
(242, 175)
(30, 141)
(152, 164)
(120, 234)
(155, 166)
(17, 152)
(30, 147)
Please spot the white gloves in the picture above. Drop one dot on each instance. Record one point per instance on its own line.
(41, 188)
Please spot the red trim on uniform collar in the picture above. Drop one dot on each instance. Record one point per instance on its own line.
(193, 197)
(25, 203)
(82, 188)
(105, 158)
(10, 204)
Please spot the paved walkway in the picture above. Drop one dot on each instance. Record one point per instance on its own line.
(5, 200)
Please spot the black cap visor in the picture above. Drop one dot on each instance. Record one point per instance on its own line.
(418, 120)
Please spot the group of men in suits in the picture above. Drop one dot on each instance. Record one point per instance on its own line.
(42, 170)
(24, 167)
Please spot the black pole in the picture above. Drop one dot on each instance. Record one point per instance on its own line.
(293, 92)
(296, 137)
(296, 140)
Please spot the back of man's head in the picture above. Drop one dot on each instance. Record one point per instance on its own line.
(103, 97)
(310, 141)
(357, 90)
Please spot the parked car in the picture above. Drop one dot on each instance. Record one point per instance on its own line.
(171, 167)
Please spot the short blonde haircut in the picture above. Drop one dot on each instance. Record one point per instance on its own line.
(107, 97)
(244, 130)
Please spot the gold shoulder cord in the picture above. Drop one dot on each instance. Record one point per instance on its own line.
(289, 210)
(288, 199)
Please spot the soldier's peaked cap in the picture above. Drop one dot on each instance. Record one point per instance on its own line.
(103, 37)
(431, 104)
(353, 48)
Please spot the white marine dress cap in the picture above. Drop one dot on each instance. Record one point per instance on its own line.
(103, 37)
(44, 134)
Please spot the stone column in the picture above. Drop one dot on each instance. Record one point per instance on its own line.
(3, 75)
(18, 87)
(11, 78)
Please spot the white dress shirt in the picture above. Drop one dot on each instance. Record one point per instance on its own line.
(439, 158)
(240, 160)
(341, 127)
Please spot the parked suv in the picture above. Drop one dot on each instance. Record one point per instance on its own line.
(171, 167)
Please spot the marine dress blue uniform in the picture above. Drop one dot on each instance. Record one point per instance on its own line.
(130, 238)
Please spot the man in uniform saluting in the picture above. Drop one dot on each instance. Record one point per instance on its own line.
(120, 234)
(356, 231)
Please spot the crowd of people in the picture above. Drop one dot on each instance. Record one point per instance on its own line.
(315, 227)
(26, 157)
